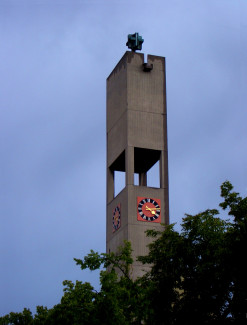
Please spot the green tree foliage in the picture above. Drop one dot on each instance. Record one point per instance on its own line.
(197, 276)
(187, 271)
(237, 247)
(24, 318)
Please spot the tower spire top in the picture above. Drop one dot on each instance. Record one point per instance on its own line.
(134, 42)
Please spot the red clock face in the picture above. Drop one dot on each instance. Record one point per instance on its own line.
(148, 209)
(116, 218)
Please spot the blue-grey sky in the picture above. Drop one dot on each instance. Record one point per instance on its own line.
(55, 57)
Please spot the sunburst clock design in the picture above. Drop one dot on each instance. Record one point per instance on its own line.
(148, 209)
(116, 218)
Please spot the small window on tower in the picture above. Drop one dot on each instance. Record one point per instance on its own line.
(118, 172)
(119, 179)
(147, 167)
(136, 179)
(153, 176)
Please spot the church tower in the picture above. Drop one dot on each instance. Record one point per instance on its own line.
(136, 141)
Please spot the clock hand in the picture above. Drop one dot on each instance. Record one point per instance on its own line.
(152, 210)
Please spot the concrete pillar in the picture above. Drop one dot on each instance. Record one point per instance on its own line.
(143, 179)
(110, 185)
(129, 165)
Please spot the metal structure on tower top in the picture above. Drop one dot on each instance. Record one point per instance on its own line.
(134, 42)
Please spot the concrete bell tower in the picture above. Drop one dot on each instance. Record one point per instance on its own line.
(136, 141)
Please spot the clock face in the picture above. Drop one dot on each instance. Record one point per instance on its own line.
(116, 218)
(148, 209)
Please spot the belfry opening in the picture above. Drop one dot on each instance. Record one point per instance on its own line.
(144, 160)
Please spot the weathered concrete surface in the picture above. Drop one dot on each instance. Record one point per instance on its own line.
(136, 139)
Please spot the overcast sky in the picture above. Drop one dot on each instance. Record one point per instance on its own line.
(55, 57)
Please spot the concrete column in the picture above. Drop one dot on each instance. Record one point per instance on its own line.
(143, 179)
(129, 165)
(164, 182)
(162, 170)
(110, 185)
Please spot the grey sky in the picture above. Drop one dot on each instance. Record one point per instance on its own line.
(54, 59)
